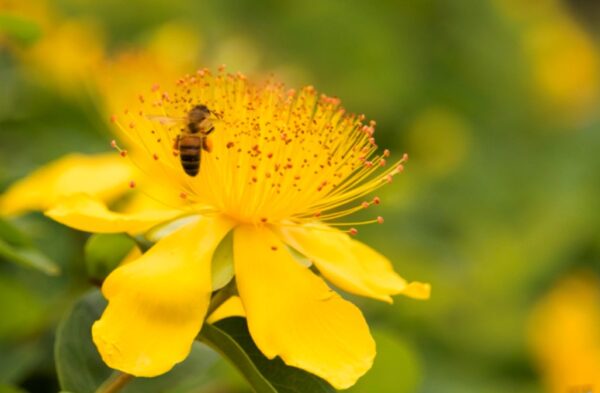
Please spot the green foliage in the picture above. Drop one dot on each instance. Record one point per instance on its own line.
(230, 337)
(396, 368)
(81, 370)
(20, 29)
(16, 247)
(104, 252)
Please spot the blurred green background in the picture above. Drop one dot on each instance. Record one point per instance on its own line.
(496, 102)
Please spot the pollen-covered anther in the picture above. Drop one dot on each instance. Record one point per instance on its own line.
(376, 200)
(379, 220)
(113, 144)
(372, 141)
(389, 178)
(382, 162)
(404, 157)
(365, 204)
(123, 153)
(386, 153)
(353, 231)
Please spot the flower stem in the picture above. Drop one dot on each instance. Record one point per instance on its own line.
(114, 383)
(221, 297)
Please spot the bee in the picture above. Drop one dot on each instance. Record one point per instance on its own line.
(193, 139)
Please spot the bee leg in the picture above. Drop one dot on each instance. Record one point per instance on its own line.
(209, 131)
(176, 144)
(207, 145)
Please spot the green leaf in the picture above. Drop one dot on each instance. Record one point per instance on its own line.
(396, 368)
(231, 338)
(104, 252)
(16, 247)
(19, 28)
(81, 370)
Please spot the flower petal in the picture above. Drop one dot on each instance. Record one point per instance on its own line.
(350, 264)
(85, 213)
(293, 314)
(105, 176)
(158, 302)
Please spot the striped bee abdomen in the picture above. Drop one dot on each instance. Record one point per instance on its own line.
(190, 154)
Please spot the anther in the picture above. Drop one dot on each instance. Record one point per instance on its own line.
(132, 184)
(404, 157)
(113, 144)
(123, 153)
(376, 200)
(274, 248)
(365, 204)
(113, 119)
(353, 231)
(386, 153)
(155, 156)
(382, 162)
(380, 220)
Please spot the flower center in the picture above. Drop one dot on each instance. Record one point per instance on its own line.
(277, 155)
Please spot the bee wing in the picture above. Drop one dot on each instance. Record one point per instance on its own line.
(166, 120)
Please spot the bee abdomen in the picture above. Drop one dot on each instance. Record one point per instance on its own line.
(189, 153)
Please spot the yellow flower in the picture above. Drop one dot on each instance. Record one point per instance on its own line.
(104, 176)
(565, 335)
(284, 168)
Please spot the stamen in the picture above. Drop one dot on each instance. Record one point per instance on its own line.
(289, 155)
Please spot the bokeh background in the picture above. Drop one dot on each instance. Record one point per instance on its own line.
(496, 102)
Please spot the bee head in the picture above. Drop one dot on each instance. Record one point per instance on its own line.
(199, 113)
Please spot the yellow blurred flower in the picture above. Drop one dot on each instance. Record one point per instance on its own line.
(565, 335)
(66, 53)
(565, 63)
(168, 52)
(285, 167)
(562, 57)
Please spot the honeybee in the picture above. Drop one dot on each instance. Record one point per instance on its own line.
(196, 127)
